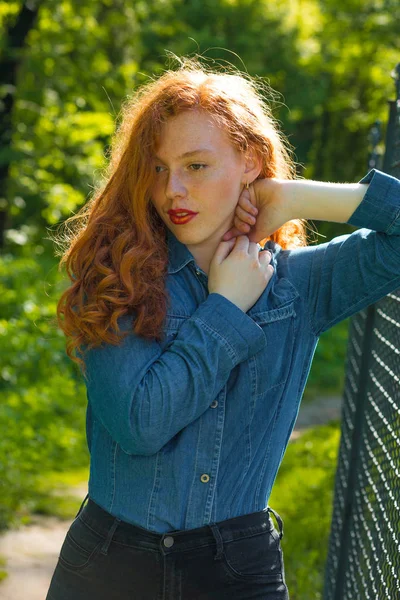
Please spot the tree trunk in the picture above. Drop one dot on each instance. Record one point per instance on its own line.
(15, 37)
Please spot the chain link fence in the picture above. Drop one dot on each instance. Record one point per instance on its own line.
(364, 547)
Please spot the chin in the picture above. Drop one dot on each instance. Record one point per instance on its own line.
(188, 237)
(191, 234)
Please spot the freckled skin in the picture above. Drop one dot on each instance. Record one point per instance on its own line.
(211, 190)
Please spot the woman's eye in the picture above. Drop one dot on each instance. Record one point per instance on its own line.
(192, 167)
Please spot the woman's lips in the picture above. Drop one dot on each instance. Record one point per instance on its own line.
(181, 220)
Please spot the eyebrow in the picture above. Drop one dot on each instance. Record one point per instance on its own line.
(191, 153)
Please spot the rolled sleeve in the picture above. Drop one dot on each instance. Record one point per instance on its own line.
(242, 336)
(380, 208)
(339, 278)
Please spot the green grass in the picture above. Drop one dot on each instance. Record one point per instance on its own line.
(3, 573)
(55, 495)
(303, 495)
(64, 478)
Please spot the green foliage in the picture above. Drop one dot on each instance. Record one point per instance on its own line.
(303, 495)
(327, 374)
(82, 59)
(43, 401)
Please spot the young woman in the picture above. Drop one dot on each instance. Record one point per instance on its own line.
(195, 308)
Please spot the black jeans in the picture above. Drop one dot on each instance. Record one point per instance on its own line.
(104, 558)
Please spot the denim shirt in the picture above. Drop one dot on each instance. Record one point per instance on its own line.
(192, 430)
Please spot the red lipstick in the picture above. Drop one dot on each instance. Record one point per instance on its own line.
(180, 216)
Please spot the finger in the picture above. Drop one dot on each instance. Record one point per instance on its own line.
(242, 242)
(223, 249)
(228, 235)
(252, 199)
(241, 226)
(265, 257)
(246, 203)
(253, 249)
(244, 215)
(231, 233)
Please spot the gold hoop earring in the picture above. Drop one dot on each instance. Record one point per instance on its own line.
(247, 185)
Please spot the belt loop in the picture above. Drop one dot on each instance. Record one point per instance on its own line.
(280, 522)
(220, 544)
(80, 510)
(104, 548)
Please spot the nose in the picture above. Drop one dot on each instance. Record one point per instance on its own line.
(175, 186)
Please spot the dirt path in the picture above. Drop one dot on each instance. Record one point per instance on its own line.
(32, 551)
(322, 410)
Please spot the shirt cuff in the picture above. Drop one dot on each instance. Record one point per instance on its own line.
(229, 322)
(379, 209)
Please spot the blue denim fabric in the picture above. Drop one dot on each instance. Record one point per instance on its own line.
(192, 430)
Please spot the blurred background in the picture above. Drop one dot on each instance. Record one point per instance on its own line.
(65, 67)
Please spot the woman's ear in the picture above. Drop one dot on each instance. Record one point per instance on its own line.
(252, 166)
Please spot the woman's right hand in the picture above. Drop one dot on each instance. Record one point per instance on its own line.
(264, 208)
(239, 271)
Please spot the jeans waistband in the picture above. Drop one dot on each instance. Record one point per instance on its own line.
(112, 528)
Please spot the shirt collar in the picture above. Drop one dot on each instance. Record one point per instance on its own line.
(178, 254)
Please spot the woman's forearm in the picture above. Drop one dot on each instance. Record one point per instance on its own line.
(323, 201)
(271, 202)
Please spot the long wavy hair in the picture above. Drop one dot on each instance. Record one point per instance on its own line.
(116, 252)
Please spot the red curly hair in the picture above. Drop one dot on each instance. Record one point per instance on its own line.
(116, 258)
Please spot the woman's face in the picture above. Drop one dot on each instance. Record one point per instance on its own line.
(197, 168)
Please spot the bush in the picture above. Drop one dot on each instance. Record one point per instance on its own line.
(303, 496)
(42, 411)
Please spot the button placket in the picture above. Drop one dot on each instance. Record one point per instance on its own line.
(203, 489)
(199, 272)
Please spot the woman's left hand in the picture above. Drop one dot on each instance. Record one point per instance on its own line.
(265, 197)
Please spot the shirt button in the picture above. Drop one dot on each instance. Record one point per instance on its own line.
(205, 478)
(214, 404)
(197, 272)
(168, 541)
